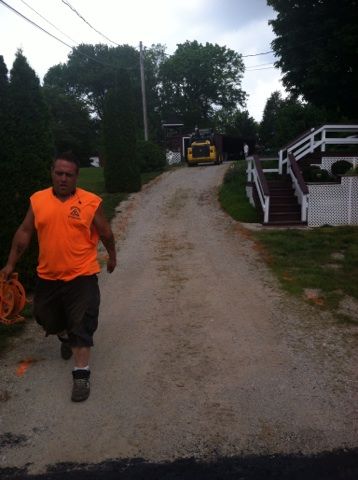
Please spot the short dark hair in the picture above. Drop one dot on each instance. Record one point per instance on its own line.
(69, 156)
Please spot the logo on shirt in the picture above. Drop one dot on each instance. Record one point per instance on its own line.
(75, 213)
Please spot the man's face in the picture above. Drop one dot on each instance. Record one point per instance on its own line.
(64, 177)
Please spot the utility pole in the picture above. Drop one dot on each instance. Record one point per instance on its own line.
(144, 101)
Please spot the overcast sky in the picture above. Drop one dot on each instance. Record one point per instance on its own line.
(241, 25)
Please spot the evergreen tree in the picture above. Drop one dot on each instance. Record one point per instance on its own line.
(7, 212)
(32, 148)
(121, 169)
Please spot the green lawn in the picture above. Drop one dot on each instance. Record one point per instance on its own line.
(91, 178)
(233, 197)
(323, 260)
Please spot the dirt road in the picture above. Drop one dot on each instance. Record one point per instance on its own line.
(199, 354)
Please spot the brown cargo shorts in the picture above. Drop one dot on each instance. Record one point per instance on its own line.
(72, 306)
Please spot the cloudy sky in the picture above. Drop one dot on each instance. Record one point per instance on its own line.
(241, 25)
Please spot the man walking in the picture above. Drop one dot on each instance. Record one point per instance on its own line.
(69, 222)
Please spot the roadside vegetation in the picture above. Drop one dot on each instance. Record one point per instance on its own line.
(92, 179)
(319, 265)
(233, 197)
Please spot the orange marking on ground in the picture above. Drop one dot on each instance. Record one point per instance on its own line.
(23, 366)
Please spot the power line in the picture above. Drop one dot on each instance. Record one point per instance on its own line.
(65, 2)
(82, 18)
(264, 68)
(257, 54)
(35, 24)
(52, 25)
(54, 36)
(259, 65)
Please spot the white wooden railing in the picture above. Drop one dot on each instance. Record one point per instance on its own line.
(318, 138)
(299, 185)
(256, 176)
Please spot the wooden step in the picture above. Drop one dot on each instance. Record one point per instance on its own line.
(285, 216)
(286, 207)
(276, 223)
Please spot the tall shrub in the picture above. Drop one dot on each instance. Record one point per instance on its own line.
(7, 212)
(121, 169)
(151, 157)
(31, 151)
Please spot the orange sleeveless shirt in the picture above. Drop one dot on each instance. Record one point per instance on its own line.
(67, 239)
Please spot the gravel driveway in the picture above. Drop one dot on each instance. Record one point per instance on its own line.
(199, 353)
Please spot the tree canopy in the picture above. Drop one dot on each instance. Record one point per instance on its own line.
(71, 124)
(285, 119)
(199, 80)
(92, 70)
(237, 124)
(317, 49)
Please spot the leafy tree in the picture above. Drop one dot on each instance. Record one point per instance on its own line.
(153, 58)
(121, 170)
(91, 70)
(71, 124)
(237, 124)
(32, 148)
(269, 119)
(317, 48)
(199, 80)
(285, 119)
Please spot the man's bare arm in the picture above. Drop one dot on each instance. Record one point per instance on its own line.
(106, 235)
(20, 242)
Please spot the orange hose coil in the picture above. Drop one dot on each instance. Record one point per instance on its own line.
(12, 299)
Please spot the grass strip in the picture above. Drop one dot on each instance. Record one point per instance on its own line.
(323, 259)
(92, 179)
(232, 194)
(319, 265)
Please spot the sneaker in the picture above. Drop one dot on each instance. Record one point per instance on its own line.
(81, 385)
(65, 349)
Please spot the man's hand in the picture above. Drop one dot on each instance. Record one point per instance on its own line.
(106, 235)
(6, 272)
(19, 243)
(111, 265)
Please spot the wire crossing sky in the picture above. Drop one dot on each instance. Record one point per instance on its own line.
(46, 29)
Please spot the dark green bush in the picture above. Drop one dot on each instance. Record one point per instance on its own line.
(313, 173)
(151, 157)
(341, 167)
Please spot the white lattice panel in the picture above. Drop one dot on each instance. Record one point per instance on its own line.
(173, 157)
(333, 204)
(354, 200)
(327, 162)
